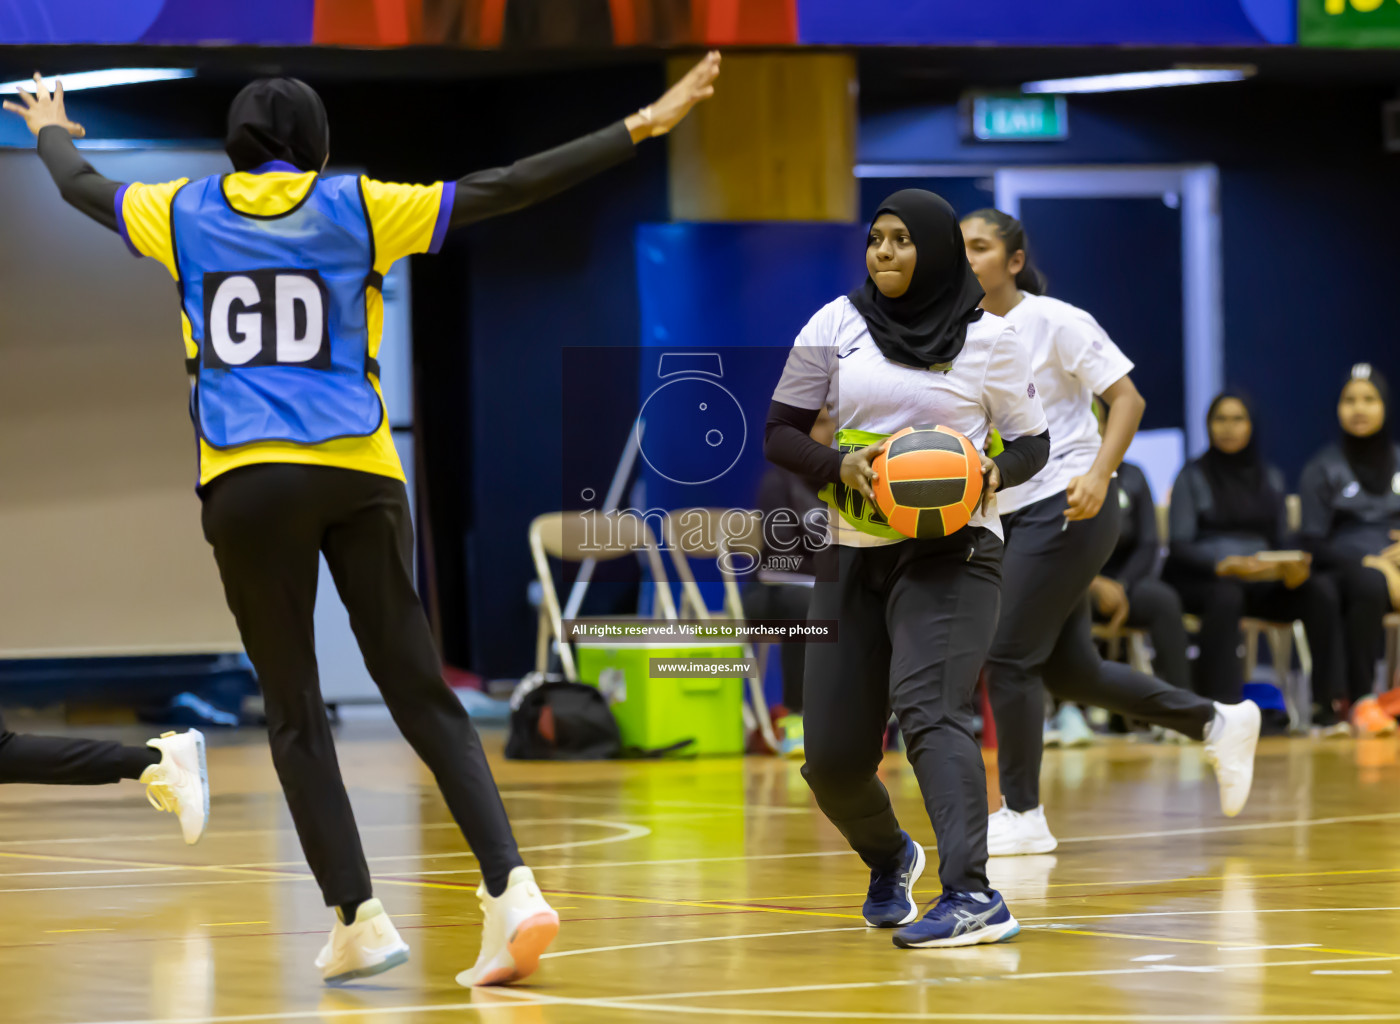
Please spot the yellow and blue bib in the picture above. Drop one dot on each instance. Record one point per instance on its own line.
(263, 258)
(277, 309)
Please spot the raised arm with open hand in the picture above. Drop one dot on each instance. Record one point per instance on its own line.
(41, 108)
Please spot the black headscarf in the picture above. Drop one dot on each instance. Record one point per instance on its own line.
(277, 119)
(1371, 458)
(1244, 500)
(927, 325)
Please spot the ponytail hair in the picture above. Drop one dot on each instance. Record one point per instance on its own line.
(1013, 236)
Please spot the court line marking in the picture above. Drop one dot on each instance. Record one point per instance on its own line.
(243, 833)
(236, 924)
(706, 938)
(454, 871)
(637, 1003)
(638, 806)
(364, 1011)
(517, 999)
(1009, 882)
(702, 860)
(74, 931)
(1203, 913)
(1142, 937)
(1353, 972)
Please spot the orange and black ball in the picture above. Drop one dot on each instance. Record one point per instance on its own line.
(929, 481)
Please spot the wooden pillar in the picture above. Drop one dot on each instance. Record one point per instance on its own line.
(777, 141)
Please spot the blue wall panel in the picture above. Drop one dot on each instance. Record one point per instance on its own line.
(742, 292)
(1037, 23)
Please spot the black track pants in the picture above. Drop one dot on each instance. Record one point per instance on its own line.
(915, 620)
(269, 524)
(1044, 640)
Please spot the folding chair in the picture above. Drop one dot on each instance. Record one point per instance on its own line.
(578, 537)
(1281, 638)
(734, 538)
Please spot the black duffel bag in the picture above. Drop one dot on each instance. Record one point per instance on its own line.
(559, 721)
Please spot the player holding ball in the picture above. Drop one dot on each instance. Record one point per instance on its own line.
(915, 614)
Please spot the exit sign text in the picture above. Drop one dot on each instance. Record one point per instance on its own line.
(1016, 118)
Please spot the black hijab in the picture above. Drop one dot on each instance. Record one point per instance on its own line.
(927, 325)
(1244, 500)
(277, 119)
(1371, 458)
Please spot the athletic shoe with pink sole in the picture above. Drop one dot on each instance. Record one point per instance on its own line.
(519, 927)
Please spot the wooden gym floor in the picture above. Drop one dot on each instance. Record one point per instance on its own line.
(713, 889)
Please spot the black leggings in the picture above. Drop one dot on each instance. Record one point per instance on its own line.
(1044, 639)
(1220, 603)
(269, 525)
(58, 761)
(1365, 601)
(915, 620)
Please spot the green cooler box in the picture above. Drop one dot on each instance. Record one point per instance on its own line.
(659, 712)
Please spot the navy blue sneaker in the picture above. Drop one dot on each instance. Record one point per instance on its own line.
(890, 901)
(960, 919)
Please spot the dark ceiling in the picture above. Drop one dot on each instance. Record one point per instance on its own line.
(884, 73)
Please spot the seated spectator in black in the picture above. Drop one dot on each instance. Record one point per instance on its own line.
(794, 529)
(1127, 591)
(1351, 510)
(1228, 526)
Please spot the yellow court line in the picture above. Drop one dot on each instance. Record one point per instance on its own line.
(415, 884)
(1131, 881)
(1204, 942)
(74, 931)
(234, 924)
(70, 859)
(695, 904)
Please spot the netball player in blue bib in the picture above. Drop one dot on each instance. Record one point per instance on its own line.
(280, 272)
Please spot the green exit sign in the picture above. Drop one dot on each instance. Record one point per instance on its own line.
(1013, 117)
(1363, 23)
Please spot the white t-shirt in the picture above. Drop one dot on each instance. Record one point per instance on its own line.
(834, 362)
(1073, 359)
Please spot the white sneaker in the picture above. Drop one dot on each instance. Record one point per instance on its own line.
(180, 783)
(1010, 833)
(369, 946)
(1050, 735)
(1074, 730)
(519, 926)
(1230, 741)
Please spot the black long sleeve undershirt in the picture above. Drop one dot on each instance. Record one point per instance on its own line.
(1022, 459)
(787, 442)
(477, 196)
(78, 181)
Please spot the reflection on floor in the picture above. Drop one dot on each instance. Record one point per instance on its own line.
(713, 889)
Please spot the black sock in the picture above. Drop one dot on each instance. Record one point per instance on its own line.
(135, 760)
(348, 911)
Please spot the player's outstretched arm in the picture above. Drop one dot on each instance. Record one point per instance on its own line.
(504, 189)
(78, 182)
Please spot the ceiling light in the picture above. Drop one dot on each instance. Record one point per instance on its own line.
(1140, 80)
(102, 79)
